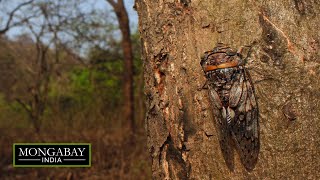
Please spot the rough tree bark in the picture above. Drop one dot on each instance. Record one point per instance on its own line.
(128, 90)
(284, 65)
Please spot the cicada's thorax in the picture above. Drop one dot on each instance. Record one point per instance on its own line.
(222, 68)
(221, 81)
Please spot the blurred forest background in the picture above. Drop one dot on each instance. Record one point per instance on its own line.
(70, 71)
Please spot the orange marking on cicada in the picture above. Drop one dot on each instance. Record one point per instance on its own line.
(222, 66)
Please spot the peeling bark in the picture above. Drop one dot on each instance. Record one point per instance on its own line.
(284, 65)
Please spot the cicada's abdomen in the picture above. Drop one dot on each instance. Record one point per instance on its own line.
(232, 94)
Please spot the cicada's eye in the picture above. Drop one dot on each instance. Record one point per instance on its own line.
(204, 58)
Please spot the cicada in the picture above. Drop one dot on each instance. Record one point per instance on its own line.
(234, 104)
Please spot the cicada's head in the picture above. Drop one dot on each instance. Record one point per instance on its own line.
(220, 57)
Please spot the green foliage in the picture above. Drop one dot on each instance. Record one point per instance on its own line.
(12, 114)
(82, 101)
(107, 68)
(81, 86)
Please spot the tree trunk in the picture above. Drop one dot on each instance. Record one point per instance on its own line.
(128, 90)
(284, 66)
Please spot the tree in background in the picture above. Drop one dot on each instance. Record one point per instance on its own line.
(36, 65)
(128, 89)
(107, 68)
(11, 21)
(80, 86)
(59, 31)
(41, 59)
(52, 29)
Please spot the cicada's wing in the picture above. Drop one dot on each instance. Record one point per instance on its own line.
(224, 135)
(245, 126)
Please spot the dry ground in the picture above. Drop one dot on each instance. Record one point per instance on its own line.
(114, 154)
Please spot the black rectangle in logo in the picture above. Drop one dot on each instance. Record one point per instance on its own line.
(51, 154)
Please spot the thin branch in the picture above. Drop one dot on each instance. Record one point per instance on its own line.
(11, 15)
(23, 105)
